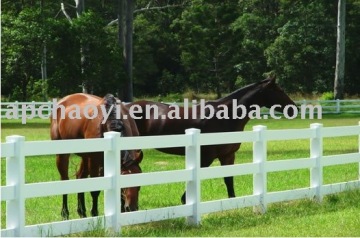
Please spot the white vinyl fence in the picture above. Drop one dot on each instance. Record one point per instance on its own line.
(16, 191)
(43, 109)
(334, 106)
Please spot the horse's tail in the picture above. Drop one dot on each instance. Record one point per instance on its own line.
(54, 129)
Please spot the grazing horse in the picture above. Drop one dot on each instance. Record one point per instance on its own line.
(73, 121)
(264, 93)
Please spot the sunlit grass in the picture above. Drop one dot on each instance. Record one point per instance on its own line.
(336, 216)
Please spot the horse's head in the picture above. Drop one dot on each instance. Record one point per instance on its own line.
(130, 161)
(113, 123)
(273, 96)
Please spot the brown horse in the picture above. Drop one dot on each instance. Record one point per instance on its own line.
(264, 93)
(103, 112)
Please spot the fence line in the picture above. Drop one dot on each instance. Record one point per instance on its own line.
(16, 191)
(16, 109)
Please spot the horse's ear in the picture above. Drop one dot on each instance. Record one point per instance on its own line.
(109, 100)
(139, 156)
(271, 80)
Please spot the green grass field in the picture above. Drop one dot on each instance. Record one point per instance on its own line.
(337, 215)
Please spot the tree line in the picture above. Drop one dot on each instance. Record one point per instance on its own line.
(49, 50)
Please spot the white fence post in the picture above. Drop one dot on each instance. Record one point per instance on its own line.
(112, 197)
(304, 102)
(18, 110)
(316, 153)
(260, 179)
(15, 175)
(337, 106)
(193, 189)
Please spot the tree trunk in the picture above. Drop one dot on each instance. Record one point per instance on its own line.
(120, 20)
(128, 51)
(44, 72)
(120, 16)
(217, 77)
(80, 7)
(340, 51)
(43, 61)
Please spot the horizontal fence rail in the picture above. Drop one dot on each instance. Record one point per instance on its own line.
(28, 110)
(15, 192)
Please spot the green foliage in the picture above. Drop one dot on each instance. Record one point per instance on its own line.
(205, 43)
(301, 54)
(254, 30)
(146, 72)
(327, 96)
(352, 46)
(202, 45)
(22, 39)
(170, 83)
(36, 89)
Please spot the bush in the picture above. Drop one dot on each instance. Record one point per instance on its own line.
(327, 96)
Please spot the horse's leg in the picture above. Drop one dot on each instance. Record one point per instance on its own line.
(204, 163)
(82, 173)
(229, 181)
(183, 198)
(94, 209)
(62, 164)
(94, 168)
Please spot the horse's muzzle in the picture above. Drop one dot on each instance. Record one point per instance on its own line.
(127, 208)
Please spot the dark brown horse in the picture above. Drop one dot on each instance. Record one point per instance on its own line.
(264, 93)
(103, 112)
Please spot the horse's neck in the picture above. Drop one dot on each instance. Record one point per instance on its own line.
(239, 102)
(236, 94)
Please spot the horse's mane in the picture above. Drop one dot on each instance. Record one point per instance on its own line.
(241, 91)
(110, 106)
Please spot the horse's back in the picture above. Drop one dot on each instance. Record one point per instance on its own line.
(76, 127)
(155, 118)
(80, 99)
(131, 128)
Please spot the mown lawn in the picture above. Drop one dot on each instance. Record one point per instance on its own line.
(338, 215)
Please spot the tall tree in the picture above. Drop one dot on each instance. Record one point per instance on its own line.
(254, 31)
(340, 51)
(301, 54)
(80, 8)
(125, 13)
(43, 57)
(205, 42)
(205, 45)
(22, 40)
(352, 71)
(128, 50)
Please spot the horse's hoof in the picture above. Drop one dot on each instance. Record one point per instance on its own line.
(94, 213)
(82, 214)
(65, 214)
